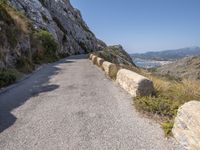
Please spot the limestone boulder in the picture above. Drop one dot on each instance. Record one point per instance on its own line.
(90, 56)
(94, 59)
(186, 128)
(100, 61)
(110, 69)
(134, 83)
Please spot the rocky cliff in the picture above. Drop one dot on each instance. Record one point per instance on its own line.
(63, 21)
(22, 22)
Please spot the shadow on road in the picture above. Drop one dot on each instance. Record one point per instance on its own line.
(24, 90)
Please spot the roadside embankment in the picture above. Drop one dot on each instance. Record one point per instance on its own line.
(186, 126)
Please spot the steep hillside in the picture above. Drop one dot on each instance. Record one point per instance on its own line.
(169, 54)
(28, 27)
(116, 54)
(188, 67)
(63, 21)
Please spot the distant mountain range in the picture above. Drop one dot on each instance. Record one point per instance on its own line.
(169, 54)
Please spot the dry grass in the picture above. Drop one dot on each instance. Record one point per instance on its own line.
(20, 20)
(183, 91)
(15, 16)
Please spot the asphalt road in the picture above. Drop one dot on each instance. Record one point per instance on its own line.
(71, 105)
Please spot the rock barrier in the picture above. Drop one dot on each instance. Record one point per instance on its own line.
(110, 69)
(94, 59)
(134, 83)
(186, 128)
(100, 61)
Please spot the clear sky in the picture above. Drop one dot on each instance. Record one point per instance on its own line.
(143, 25)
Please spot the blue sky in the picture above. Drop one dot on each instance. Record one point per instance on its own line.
(143, 25)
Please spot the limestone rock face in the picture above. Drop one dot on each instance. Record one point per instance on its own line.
(63, 21)
(134, 83)
(186, 128)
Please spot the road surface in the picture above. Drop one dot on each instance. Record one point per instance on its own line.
(71, 105)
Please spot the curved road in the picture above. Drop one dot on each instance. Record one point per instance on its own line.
(72, 105)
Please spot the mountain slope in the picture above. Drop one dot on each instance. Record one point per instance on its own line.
(63, 21)
(169, 54)
(27, 28)
(188, 67)
(116, 54)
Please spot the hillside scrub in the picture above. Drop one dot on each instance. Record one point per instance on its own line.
(115, 54)
(15, 30)
(8, 76)
(46, 47)
(12, 25)
(188, 68)
(169, 96)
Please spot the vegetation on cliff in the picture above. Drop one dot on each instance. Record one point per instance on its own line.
(17, 31)
(46, 49)
(116, 54)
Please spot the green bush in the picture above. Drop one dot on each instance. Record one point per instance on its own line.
(7, 77)
(48, 42)
(161, 106)
(157, 105)
(24, 65)
(3, 1)
(46, 47)
(167, 127)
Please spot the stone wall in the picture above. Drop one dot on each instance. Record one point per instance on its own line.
(187, 125)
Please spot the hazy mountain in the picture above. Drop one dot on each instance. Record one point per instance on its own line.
(169, 54)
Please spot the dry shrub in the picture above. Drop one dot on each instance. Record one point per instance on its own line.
(169, 96)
